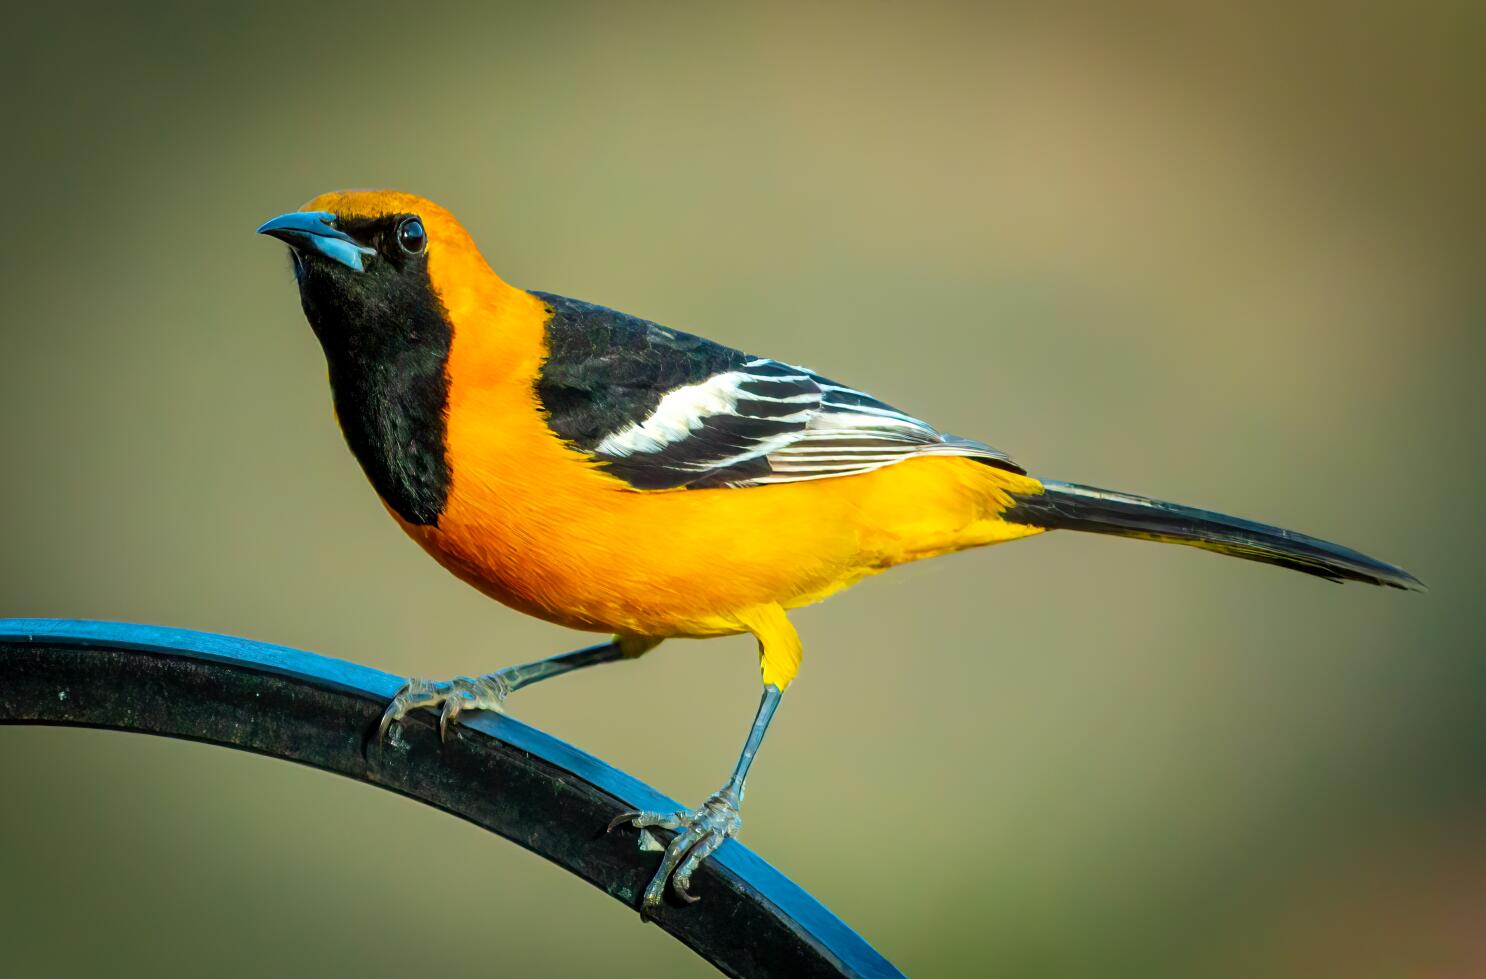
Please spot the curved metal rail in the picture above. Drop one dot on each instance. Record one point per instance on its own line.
(494, 771)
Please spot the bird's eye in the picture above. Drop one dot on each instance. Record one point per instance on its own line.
(411, 236)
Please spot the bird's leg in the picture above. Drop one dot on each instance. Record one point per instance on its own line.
(701, 832)
(489, 691)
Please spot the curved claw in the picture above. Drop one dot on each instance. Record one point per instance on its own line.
(452, 709)
(620, 819)
(388, 716)
(678, 887)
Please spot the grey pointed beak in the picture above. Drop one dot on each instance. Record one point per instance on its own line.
(315, 231)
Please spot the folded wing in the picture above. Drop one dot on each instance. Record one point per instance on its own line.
(663, 409)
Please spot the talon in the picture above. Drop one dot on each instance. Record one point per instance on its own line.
(620, 819)
(452, 709)
(388, 716)
(402, 702)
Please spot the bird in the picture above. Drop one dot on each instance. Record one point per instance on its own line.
(609, 474)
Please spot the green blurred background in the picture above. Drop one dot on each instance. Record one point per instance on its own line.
(1228, 258)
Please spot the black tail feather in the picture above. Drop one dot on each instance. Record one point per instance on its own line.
(1069, 506)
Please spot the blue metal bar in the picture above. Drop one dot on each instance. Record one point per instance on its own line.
(118, 672)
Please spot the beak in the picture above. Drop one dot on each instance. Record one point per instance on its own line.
(316, 231)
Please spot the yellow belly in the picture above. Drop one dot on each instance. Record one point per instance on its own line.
(585, 551)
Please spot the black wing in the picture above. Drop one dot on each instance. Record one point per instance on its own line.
(664, 409)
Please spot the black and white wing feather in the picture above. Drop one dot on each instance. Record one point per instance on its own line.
(663, 409)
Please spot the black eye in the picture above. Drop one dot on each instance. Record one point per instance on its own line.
(411, 236)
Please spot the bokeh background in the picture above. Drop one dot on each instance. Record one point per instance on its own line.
(1231, 258)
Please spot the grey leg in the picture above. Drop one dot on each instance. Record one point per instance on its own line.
(489, 692)
(703, 831)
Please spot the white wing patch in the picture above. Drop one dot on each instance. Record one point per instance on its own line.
(768, 422)
(683, 411)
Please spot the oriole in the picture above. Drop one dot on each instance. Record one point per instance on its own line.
(609, 474)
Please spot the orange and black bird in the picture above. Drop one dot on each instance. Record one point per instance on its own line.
(609, 474)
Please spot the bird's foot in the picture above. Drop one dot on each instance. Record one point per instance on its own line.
(488, 692)
(698, 834)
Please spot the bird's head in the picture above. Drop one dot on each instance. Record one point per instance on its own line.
(373, 263)
(383, 277)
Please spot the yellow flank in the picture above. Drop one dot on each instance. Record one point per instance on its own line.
(538, 526)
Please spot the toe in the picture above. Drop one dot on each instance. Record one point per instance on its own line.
(656, 891)
(704, 848)
(648, 820)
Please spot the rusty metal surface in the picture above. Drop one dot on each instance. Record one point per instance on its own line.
(494, 771)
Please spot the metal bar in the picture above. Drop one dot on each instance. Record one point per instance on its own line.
(496, 772)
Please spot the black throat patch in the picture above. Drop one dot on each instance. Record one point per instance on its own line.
(386, 339)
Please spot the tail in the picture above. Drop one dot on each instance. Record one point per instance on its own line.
(1069, 506)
